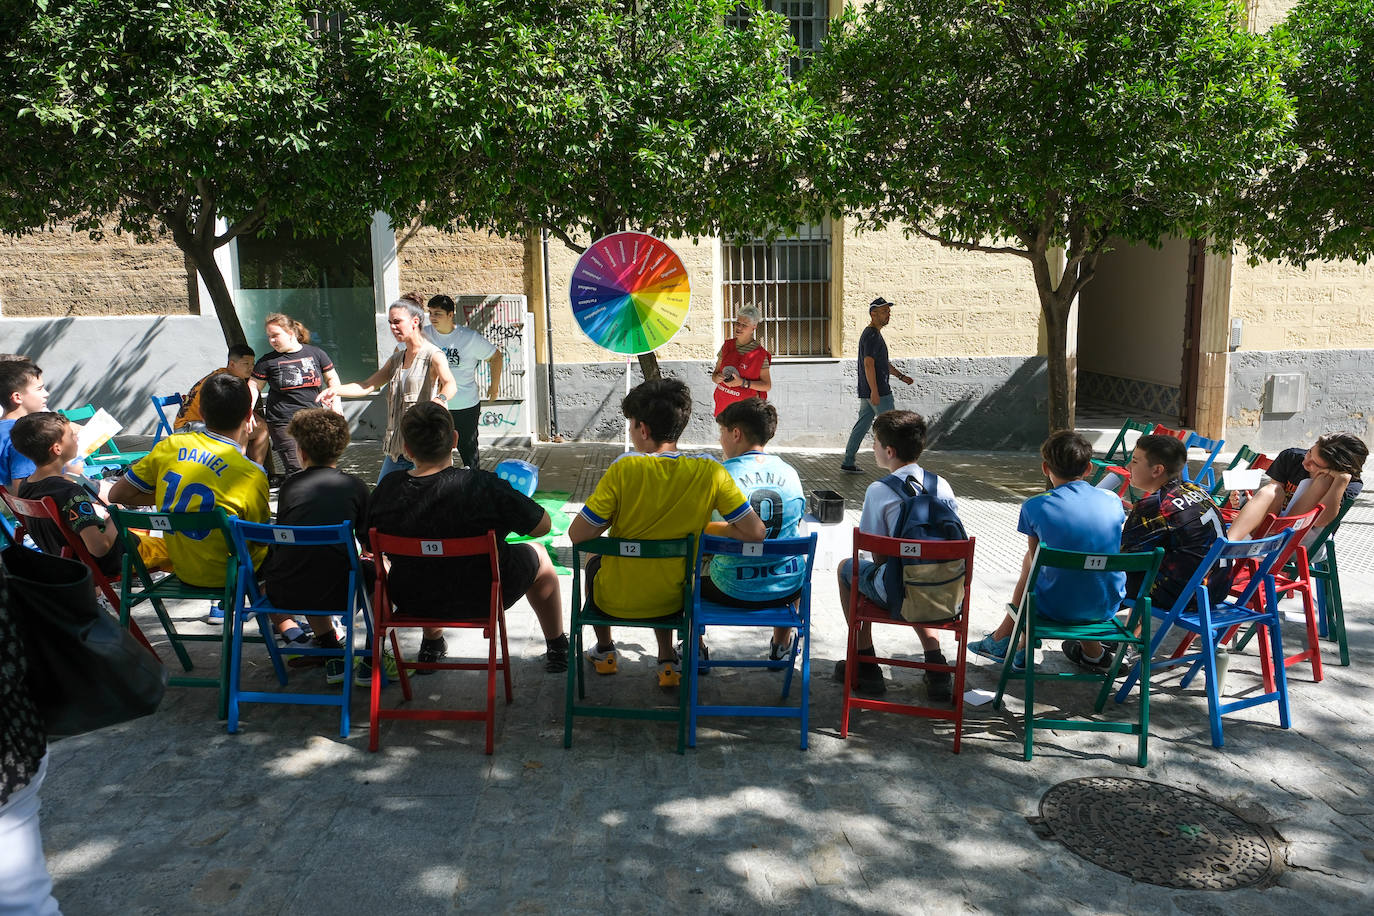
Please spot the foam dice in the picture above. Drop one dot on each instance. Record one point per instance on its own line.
(521, 475)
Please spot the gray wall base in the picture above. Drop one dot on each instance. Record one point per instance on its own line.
(971, 403)
(1338, 385)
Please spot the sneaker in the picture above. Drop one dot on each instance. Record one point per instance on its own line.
(556, 655)
(703, 655)
(868, 679)
(431, 650)
(850, 469)
(939, 684)
(1018, 661)
(216, 615)
(669, 674)
(603, 662)
(995, 649)
(777, 653)
(362, 669)
(1073, 651)
(334, 671)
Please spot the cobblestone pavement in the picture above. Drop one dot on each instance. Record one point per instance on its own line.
(172, 815)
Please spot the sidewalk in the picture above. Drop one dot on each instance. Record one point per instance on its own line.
(171, 815)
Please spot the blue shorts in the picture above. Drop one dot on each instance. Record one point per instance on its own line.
(869, 587)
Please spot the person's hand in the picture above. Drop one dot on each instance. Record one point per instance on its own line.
(493, 392)
(733, 381)
(325, 397)
(440, 400)
(873, 399)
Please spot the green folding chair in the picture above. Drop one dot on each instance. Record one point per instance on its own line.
(1118, 455)
(1242, 460)
(137, 585)
(108, 455)
(1037, 628)
(583, 616)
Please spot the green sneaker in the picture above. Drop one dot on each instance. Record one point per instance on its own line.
(362, 669)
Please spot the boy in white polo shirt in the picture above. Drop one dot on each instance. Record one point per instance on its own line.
(465, 348)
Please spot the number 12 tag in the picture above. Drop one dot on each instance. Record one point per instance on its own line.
(629, 548)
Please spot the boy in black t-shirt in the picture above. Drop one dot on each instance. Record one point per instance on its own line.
(1328, 473)
(319, 494)
(436, 500)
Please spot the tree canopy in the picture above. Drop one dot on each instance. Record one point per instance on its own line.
(162, 117)
(1027, 128)
(1318, 202)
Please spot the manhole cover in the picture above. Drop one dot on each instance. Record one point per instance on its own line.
(1156, 834)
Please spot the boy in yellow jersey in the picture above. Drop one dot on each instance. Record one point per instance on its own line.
(198, 471)
(654, 492)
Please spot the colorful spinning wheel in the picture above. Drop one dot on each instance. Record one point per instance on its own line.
(630, 293)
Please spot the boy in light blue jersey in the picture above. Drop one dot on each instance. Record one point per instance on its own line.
(774, 491)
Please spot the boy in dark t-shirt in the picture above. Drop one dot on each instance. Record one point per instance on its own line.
(319, 494)
(436, 500)
(1327, 473)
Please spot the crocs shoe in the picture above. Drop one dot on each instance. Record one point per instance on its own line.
(603, 662)
(669, 674)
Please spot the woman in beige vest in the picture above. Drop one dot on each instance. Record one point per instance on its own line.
(417, 371)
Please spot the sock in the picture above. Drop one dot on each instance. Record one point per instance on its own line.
(603, 649)
(1101, 655)
(560, 640)
(294, 633)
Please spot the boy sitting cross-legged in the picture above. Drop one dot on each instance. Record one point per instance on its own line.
(1071, 515)
(434, 499)
(654, 493)
(319, 494)
(899, 437)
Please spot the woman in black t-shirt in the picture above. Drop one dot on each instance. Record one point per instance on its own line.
(1327, 473)
(292, 375)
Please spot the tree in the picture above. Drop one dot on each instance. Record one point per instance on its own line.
(1319, 201)
(1032, 128)
(165, 116)
(605, 115)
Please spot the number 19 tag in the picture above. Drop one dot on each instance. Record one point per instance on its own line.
(432, 548)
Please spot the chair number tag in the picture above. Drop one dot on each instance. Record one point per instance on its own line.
(911, 550)
(748, 549)
(1094, 562)
(160, 522)
(629, 548)
(283, 536)
(432, 548)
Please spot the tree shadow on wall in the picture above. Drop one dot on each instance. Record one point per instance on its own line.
(1013, 416)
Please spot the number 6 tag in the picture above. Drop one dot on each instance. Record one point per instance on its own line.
(911, 550)
(749, 549)
(1094, 562)
(432, 548)
(160, 522)
(283, 536)
(629, 548)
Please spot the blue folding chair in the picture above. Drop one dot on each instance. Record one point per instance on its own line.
(1205, 475)
(164, 425)
(798, 551)
(1195, 613)
(251, 603)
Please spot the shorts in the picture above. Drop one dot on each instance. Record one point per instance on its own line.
(712, 593)
(869, 587)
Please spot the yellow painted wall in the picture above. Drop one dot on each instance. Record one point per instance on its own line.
(64, 273)
(1330, 304)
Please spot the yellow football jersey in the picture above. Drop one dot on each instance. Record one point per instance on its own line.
(194, 472)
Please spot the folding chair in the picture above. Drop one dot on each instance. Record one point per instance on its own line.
(1194, 612)
(862, 611)
(1204, 476)
(251, 603)
(1242, 460)
(164, 424)
(137, 585)
(1119, 453)
(108, 455)
(1322, 564)
(26, 510)
(1160, 429)
(388, 619)
(583, 616)
(1037, 628)
(1294, 557)
(796, 615)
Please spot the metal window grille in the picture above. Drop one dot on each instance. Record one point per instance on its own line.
(789, 281)
(809, 21)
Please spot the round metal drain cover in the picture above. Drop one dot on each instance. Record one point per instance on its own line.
(1157, 834)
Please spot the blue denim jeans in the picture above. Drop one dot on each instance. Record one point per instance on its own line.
(867, 412)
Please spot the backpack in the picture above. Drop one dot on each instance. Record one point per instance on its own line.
(930, 590)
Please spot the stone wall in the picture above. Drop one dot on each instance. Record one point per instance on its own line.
(460, 263)
(65, 273)
(1337, 383)
(971, 403)
(1330, 304)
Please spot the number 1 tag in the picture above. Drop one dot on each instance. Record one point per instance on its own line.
(432, 548)
(284, 536)
(1094, 562)
(160, 522)
(911, 550)
(750, 549)
(629, 548)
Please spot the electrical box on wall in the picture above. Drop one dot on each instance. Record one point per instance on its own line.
(1286, 393)
(1236, 325)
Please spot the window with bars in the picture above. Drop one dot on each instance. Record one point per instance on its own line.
(789, 278)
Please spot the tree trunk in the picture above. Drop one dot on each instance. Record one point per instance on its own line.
(203, 259)
(1057, 368)
(648, 364)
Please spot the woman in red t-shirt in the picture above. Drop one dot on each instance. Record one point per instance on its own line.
(742, 365)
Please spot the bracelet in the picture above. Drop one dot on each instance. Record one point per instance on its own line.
(747, 384)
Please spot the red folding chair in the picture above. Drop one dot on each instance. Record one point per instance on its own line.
(1162, 430)
(27, 510)
(864, 611)
(493, 627)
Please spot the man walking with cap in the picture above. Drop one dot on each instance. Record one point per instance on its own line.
(875, 394)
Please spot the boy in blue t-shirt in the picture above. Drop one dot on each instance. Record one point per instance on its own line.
(1071, 515)
(774, 490)
(21, 393)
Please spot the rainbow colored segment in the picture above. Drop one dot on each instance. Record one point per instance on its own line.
(630, 293)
